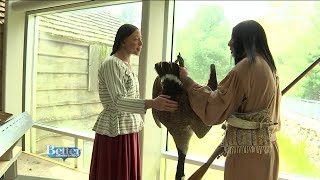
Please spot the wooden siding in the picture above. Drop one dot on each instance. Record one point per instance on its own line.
(67, 81)
(62, 93)
(62, 49)
(94, 25)
(71, 47)
(62, 98)
(60, 113)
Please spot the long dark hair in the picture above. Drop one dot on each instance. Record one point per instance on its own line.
(250, 38)
(123, 32)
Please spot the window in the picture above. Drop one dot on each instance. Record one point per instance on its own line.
(202, 31)
(68, 49)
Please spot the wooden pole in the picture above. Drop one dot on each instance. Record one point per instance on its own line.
(203, 169)
(300, 76)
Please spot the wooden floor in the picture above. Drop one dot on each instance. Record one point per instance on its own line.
(33, 168)
(20, 177)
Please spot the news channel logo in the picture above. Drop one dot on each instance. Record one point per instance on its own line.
(63, 152)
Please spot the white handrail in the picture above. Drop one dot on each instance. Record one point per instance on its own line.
(63, 131)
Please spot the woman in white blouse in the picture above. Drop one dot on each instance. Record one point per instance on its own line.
(116, 153)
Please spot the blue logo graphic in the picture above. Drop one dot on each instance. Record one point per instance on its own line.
(63, 152)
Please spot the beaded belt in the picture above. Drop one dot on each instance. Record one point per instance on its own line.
(248, 133)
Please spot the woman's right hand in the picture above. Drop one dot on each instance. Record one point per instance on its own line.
(163, 103)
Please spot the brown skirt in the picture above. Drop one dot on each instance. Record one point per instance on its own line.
(253, 166)
(116, 158)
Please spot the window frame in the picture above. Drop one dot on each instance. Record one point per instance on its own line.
(27, 92)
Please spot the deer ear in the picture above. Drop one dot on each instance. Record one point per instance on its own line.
(176, 69)
(212, 82)
(157, 67)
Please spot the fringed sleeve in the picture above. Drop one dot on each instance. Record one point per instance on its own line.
(213, 107)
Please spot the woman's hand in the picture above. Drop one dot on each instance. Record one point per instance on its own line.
(183, 73)
(163, 103)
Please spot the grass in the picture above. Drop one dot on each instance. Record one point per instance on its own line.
(294, 159)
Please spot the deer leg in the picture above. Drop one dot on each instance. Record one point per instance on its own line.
(180, 166)
(212, 82)
(181, 138)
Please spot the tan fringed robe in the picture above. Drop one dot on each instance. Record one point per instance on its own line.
(247, 88)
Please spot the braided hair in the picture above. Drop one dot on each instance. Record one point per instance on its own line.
(123, 32)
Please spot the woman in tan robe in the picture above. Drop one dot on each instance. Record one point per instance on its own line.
(248, 100)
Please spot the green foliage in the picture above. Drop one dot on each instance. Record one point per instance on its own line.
(293, 158)
(205, 42)
(104, 50)
(312, 84)
(292, 31)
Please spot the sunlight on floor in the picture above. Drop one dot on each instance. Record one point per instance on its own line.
(31, 167)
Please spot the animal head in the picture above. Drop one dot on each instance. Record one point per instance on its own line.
(169, 72)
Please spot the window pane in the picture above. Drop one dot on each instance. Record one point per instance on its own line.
(87, 150)
(46, 141)
(202, 31)
(69, 48)
(300, 135)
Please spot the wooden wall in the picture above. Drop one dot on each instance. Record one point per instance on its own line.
(65, 75)
(66, 88)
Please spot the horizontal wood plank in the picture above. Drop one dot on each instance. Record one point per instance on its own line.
(58, 81)
(52, 37)
(46, 98)
(61, 113)
(60, 64)
(59, 48)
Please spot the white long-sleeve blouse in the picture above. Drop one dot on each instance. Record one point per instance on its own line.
(119, 95)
